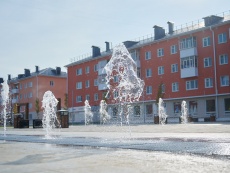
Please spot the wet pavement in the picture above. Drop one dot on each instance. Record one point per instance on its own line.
(129, 149)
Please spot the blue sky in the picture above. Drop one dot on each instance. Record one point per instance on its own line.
(48, 33)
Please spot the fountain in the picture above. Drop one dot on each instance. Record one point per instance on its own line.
(104, 116)
(88, 113)
(161, 111)
(49, 120)
(184, 112)
(129, 87)
(5, 100)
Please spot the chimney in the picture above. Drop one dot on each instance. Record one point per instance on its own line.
(95, 51)
(159, 32)
(37, 69)
(107, 46)
(1, 80)
(9, 77)
(211, 20)
(170, 27)
(129, 44)
(26, 72)
(58, 70)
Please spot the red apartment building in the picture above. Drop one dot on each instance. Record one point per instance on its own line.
(27, 87)
(190, 63)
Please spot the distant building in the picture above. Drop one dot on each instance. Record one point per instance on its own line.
(190, 63)
(27, 87)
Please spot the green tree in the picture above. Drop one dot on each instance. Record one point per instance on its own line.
(37, 107)
(159, 93)
(66, 101)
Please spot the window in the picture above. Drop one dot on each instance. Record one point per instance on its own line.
(25, 85)
(224, 80)
(148, 90)
(95, 82)
(96, 97)
(227, 104)
(210, 106)
(147, 55)
(115, 79)
(207, 62)
(160, 52)
(115, 94)
(30, 107)
(188, 62)
(79, 85)
(30, 84)
(87, 97)
(187, 43)
(137, 111)
(223, 59)
(174, 68)
(30, 95)
(208, 82)
(173, 49)
(175, 87)
(222, 38)
(20, 86)
(79, 98)
(87, 84)
(79, 72)
(87, 70)
(206, 41)
(148, 72)
(149, 109)
(162, 88)
(96, 67)
(191, 85)
(177, 107)
(160, 70)
(115, 112)
(51, 83)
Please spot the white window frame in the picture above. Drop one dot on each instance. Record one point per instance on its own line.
(224, 80)
(161, 70)
(147, 55)
(160, 52)
(96, 67)
(87, 70)
(95, 82)
(222, 38)
(79, 85)
(223, 59)
(96, 97)
(208, 82)
(87, 84)
(79, 99)
(79, 71)
(149, 90)
(175, 87)
(148, 72)
(87, 97)
(173, 49)
(207, 62)
(206, 41)
(30, 84)
(115, 94)
(192, 85)
(174, 68)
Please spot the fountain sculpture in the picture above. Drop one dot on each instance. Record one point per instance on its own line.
(88, 113)
(104, 116)
(184, 112)
(130, 86)
(161, 111)
(49, 120)
(5, 100)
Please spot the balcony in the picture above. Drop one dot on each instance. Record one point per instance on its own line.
(15, 91)
(14, 100)
(101, 71)
(189, 72)
(102, 87)
(192, 51)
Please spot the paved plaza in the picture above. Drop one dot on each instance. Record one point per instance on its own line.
(195, 147)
